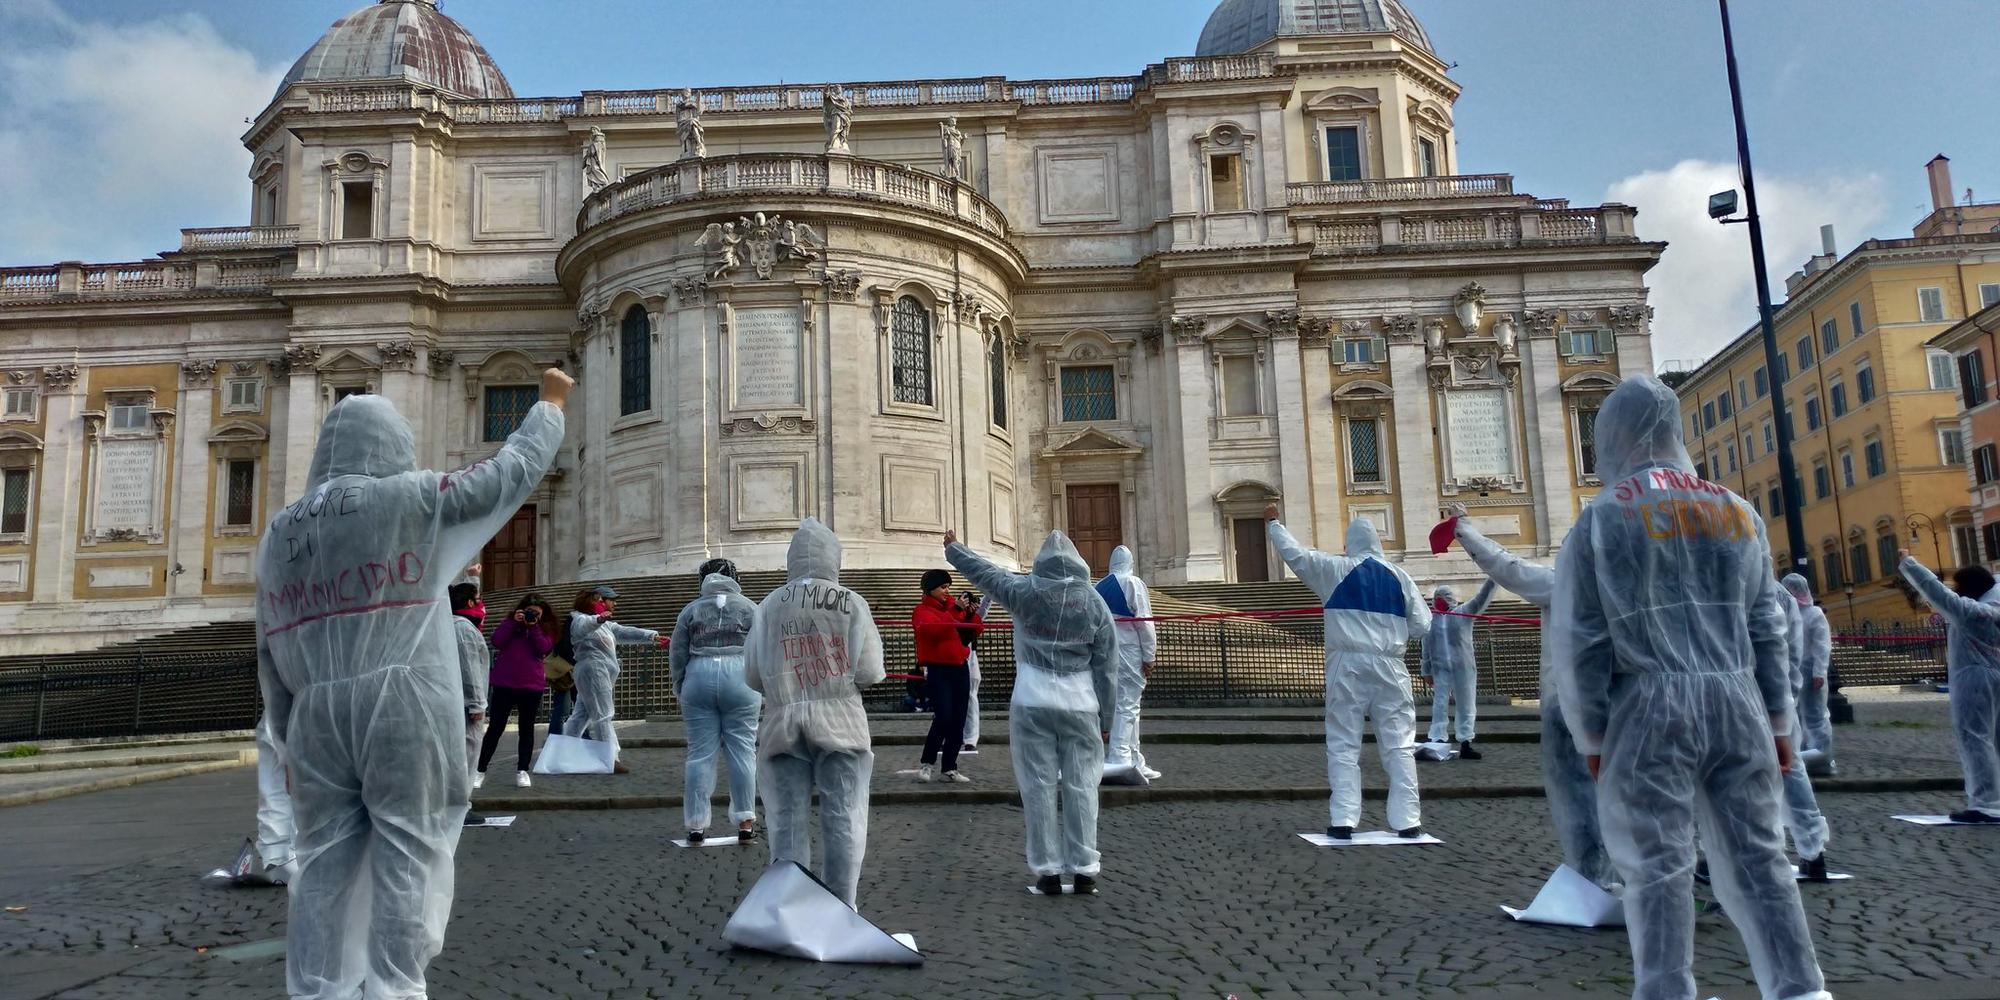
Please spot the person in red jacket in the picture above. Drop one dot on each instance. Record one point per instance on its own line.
(943, 626)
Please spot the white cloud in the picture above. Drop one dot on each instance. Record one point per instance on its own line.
(1703, 291)
(117, 135)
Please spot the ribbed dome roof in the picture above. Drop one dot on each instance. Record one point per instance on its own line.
(1242, 25)
(402, 40)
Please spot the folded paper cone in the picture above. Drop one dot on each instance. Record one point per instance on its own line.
(1122, 774)
(1570, 900)
(789, 912)
(1442, 535)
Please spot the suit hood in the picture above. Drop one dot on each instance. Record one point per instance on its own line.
(1059, 560)
(1639, 427)
(1796, 586)
(716, 583)
(1362, 539)
(1121, 561)
(362, 436)
(814, 555)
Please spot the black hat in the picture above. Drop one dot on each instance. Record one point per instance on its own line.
(935, 578)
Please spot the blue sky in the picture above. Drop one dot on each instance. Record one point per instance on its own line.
(128, 110)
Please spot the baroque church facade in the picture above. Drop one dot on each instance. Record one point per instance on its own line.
(1135, 308)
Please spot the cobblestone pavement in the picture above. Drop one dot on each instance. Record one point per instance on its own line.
(1200, 899)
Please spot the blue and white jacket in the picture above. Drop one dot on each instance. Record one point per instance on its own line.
(1371, 605)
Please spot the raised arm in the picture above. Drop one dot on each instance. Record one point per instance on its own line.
(1481, 598)
(1320, 571)
(478, 499)
(1582, 635)
(1005, 586)
(1956, 609)
(627, 635)
(1535, 583)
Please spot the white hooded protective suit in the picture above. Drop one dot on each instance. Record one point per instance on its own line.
(1372, 609)
(1816, 660)
(706, 660)
(1671, 656)
(1972, 659)
(813, 648)
(275, 829)
(596, 641)
(1065, 665)
(1801, 814)
(1571, 791)
(361, 685)
(475, 664)
(1449, 662)
(1127, 597)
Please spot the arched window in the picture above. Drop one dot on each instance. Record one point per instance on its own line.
(635, 362)
(996, 362)
(910, 352)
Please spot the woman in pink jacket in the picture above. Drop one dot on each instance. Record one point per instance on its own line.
(519, 646)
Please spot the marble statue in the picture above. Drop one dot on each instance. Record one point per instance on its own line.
(838, 110)
(954, 148)
(687, 122)
(722, 237)
(594, 176)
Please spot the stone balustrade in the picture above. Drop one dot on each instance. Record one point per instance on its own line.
(1202, 69)
(1534, 225)
(795, 173)
(141, 279)
(1400, 189)
(238, 238)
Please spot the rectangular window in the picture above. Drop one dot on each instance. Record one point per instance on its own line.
(1864, 382)
(1594, 343)
(1225, 182)
(1363, 351)
(1964, 544)
(1343, 153)
(1749, 449)
(1951, 446)
(1854, 318)
(1885, 553)
(1991, 535)
(1877, 462)
(1930, 305)
(1942, 374)
(357, 210)
(1822, 483)
(1829, 337)
(241, 506)
(1972, 377)
(344, 391)
(1857, 561)
(996, 363)
(1730, 451)
(244, 394)
(1240, 392)
(1837, 397)
(267, 206)
(1701, 469)
(1723, 406)
(1708, 415)
(1586, 440)
(1089, 392)
(129, 417)
(1762, 379)
(1812, 413)
(1770, 437)
(1847, 470)
(14, 510)
(1364, 450)
(1757, 504)
(1427, 157)
(506, 407)
(20, 404)
(1804, 349)
(1985, 464)
(1989, 295)
(1836, 576)
(1775, 499)
(1784, 368)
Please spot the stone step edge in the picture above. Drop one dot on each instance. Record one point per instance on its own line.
(106, 784)
(1151, 739)
(1112, 795)
(35, 765)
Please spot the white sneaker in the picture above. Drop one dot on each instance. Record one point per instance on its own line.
(521, 780)
(1151, 775)
(478, 778)
(956, 776)
(924, 773)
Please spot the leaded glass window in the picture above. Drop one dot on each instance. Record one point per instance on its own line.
(1364, 450)
(1089, 392)
(910, 352)
(242, 499)
(635, 362)
(996, 364)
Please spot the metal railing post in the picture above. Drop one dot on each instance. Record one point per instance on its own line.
(1222, 645)
(138, 689)
(41, 696)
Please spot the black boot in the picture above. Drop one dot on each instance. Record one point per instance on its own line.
(1973, 816)
(746, 836)
(1466, 752)
(1049, 885)
(474, 819)
(695, 837)
(1340, 832)
(1086, 886)
(1814, 869)
(1411, 834)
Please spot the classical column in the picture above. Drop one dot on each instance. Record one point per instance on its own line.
(410, 393)
(1549, 469)
(59, 506)
(1204, 553)
(193, 489)
(1416, 445)
(1294, 458)
(1322, 436)
(301, 418)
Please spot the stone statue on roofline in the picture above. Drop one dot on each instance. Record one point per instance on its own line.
(687, 123)
(838, 111)
(594, 175)
(953, 141)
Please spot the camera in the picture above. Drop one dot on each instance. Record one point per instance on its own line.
(533, 615)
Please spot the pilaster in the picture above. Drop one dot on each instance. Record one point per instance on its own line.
(1416, 445)
(194, 490)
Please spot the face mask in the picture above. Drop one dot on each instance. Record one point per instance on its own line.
(1439, 604)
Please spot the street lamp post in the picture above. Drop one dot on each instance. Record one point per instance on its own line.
(1937, 548)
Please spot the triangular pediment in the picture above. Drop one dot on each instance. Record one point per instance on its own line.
(344, 360)
(1090, 441)
(236, 431)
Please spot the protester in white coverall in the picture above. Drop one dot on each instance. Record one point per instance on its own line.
(275, 829)
(1065, 666)
(361, 685)
(1802, 816)
(705, 662)
(1971, 607)
(813, 648)
(1132, 609)
(1448, 661)
(1570, 790)
(1371, 609)
(595, 638)
(1672, 663)
(475, 662)
(1815, 728)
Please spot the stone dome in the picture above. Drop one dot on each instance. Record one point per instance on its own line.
(408, 40)
(1242, 25)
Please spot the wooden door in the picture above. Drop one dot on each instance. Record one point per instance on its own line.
(509, 559)
(1094, 524)
(1253, 561)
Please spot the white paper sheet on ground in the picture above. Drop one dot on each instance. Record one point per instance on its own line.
(1570, 900)
(1068, 890)
(1436, 751)
(727, 840)
(246, 871)
(1830, 876)
(1939, 821)
(1370, 838)
(492, 821)
(789, 912)
(572, 755)
(1122, 774)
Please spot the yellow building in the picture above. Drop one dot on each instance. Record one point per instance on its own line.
(1873, 410)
